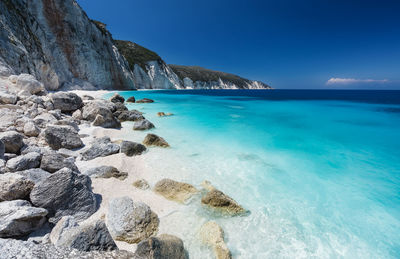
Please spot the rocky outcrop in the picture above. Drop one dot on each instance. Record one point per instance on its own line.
(154, 140)
(131, 221)
(212, 235)
(19, 218)
(65, 193)
(87, 236)
(14, 187)
(161, 247)
(100, 147)
(130, 148)
(106, 172)
(175, 191)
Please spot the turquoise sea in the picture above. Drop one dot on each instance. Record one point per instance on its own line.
(319, 170)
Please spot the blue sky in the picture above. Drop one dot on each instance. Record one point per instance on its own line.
(330, 44)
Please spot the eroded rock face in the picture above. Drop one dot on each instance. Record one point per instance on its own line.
(62, 137)
(19, 218)
(131, 221)
(13, 141)
(175, 191)
(88, 236)
(143, 125)
(106, 172)
(213, 235)
(66, 102)
(65, 193)
(100, 147)
(130, 148)
(154, 140)
(14, 187)
(220, 201)
(24, 162)
(161, 247)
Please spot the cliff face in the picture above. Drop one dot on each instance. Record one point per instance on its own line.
(55, 41)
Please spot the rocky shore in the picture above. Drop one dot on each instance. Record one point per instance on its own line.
(71, 187)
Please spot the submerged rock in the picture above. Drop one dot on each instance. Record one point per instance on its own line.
(65, 193)
(131, 221)
(87, 236)
(117, 98)
(175, 191)
(106, 172)
(161, 247)
(145, 100)
(100, 147)
(213, 235)
(163, 114)
(130, 148)
(62, 137)
(13, 141)
(19, 218)
(66, 101)
(14, 187)
(24, 162)
(143, 125)
(154, 140)
(220, 201)
(141, 184)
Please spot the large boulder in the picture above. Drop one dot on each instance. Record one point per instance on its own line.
(35, 175)
(88, 236)
(131, 221)
(13, 141)
(117, 98)
(130, 148)
(106, 172)
(18, 218)
(25, 84)
(65, 193)
(143, 125)
(66, 102)
(132, 115)
(100, 147)
(106, 121)
(6, 98)
(212, 235)
(161, 247)
(54, 162)
(131, 99)
(154, 140)
(24, 162)
(62, 137)
(31, 130)
(14, 187)
(175, 191)
(44, 119)
(221, 202)
(101, 112)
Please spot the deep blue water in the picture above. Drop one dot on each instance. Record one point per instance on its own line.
(318, 169)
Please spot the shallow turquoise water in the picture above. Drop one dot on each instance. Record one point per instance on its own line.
(320, 177)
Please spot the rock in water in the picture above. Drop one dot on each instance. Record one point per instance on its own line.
(66, 102)
(13, 141)
(19, 218)
(132, 115)
(117, 98)
(100, 147)
(24, 162)
(89, 236)
(143, 125)
(65, 193)
(54, 162)
(131, 221)
(161, 247)
(106, 172)
(131, 99)
(220, 201)
(130, 148)
(62, 137)
(14, 187)
(154, 140)
(145, 100)
(141, 184)
(175, 191)
(213, 235)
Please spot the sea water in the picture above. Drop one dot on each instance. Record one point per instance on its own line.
(319, 171)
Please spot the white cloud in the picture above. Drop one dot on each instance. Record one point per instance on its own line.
(349, 81)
